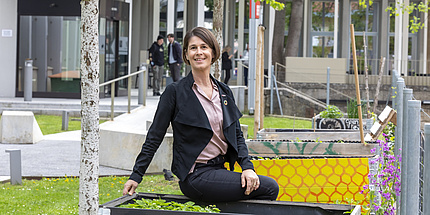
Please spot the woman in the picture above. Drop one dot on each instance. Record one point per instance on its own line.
(226, 63)
(206, 133)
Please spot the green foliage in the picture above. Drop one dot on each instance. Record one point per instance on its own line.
(161, 204)
(352, 108)
(61, 195)
(276, 5)
(415, 23)
(332, 112)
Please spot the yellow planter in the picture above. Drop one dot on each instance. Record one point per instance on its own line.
(318, 180)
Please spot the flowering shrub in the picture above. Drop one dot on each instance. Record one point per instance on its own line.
(384, 178)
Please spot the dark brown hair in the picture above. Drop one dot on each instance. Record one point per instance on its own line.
(207, 37)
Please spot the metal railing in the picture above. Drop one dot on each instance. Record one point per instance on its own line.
(141, 90)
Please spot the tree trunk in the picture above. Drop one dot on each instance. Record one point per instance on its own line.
(89, 168)
(378, 85)
(217, 27)
(295, 29)
(278, 54)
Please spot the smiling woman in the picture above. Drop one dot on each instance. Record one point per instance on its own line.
(206, 133)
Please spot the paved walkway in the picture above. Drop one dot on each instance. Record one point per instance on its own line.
(59, 154)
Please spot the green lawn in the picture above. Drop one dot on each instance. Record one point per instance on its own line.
(50, 124)
(275, 122)
(61, 195)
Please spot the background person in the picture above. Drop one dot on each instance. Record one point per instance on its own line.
(226, 63)
(246, 63)
(174, 51)
(156, 56)
(206, 133)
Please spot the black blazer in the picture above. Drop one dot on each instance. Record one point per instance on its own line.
(177, 52)
(226, 62)
(191, 129)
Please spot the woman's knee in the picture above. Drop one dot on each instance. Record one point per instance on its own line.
(271, 186)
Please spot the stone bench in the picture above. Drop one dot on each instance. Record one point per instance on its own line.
(18, 127)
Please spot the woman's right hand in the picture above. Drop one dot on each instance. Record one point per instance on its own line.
(129, 187)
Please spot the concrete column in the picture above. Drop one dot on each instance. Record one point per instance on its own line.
(413, 158)
(15, 166)
(426, 189)
(241, 39)
(383, 33)
(65, 121)
(171, 16)
(344, 31)
(155, 19)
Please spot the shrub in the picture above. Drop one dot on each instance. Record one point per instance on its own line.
(331, 112)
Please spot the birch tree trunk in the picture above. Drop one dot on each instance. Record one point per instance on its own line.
(366, 75)
(378, 85)
(217, 27)
(89, 168)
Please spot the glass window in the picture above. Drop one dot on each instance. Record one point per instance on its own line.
(322, 46)
(53, 43)
(323, 16)
(363, 18)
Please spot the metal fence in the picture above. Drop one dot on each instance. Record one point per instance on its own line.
(410, 139)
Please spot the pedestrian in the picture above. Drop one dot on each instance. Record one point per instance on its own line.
(246, 63)
(226, 63)
(206, 133)
(156, 56)
(174, 51)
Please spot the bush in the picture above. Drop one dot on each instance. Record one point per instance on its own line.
(352, 109)
(331, 112)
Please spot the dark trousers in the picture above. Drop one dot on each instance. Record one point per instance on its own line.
(245, 74)
(227, 75)
(214, 183)
(175, 71)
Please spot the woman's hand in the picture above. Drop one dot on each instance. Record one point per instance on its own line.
(129, 187)
(250, 180)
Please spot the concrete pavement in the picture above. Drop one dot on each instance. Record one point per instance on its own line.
(59, 154)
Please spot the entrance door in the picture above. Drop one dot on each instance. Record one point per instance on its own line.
(112, 57)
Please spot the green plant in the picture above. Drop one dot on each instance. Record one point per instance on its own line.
(331, 112)
(352, 108)
(61, 195)
(275, 122)
(161, 204)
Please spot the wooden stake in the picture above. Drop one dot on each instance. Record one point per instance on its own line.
(357, 86)
(261, 42)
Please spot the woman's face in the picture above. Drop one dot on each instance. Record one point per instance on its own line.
(199, 54)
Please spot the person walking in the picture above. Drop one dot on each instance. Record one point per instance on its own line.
(206, 133)
(175, 57)
(156, 56)
(226, 63)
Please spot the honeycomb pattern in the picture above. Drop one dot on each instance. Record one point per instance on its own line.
(331, 180)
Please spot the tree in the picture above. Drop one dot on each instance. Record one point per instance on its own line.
(279, 50)
(89, 168)
(217, 27)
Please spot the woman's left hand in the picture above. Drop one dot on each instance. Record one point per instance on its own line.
(250, 180)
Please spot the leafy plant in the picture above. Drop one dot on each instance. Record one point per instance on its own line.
(332, 112)
(161, 204)
(352, 108)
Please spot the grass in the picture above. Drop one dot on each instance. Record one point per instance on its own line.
(50, 124)
(275, 122)
(61, 195)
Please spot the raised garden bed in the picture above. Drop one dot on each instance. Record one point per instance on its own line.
(309, 134)
(240, 207)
